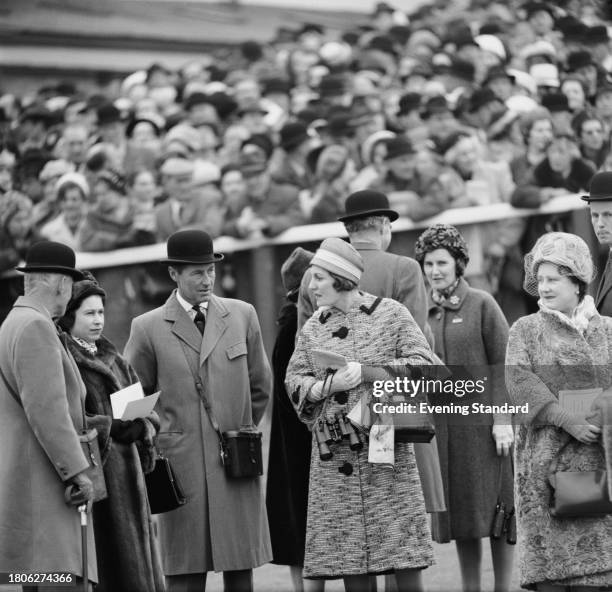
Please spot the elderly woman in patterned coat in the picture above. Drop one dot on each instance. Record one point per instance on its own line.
(566, 345)
(472, 449)
(366, 513)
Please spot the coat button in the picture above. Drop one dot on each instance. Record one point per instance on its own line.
(346, 469)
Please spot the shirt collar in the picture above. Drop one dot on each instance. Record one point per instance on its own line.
(189, 307)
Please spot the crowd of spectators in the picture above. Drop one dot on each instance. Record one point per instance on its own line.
(450, 106)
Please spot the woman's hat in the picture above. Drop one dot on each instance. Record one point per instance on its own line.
(340, 258)
(81, 289)
(191, 247)
(399, 146)
(600, 189)
(443, 236)
(51, 257)
(562, 249)
(293, 269)
(365, 203)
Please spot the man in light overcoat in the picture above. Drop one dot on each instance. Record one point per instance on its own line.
(41, 412)
(196, 335)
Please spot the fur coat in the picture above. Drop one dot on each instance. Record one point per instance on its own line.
(128, 554)
(547, 354)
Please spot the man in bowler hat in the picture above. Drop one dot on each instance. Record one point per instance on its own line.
(368, 220)
(42, 464)
(600, 204)
(199, 347)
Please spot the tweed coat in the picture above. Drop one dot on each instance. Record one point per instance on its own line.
(127, 549)
(468, 456)
(41, 398)
(367, 518)
(603, 300)
(546, 354)
(223, 526)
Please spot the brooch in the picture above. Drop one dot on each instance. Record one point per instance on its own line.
(454, 299)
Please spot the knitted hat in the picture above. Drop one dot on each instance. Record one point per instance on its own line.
(293, 269)
(76, 179)
(54, 169)
(559, 248)
(443, 236)
(340, 258)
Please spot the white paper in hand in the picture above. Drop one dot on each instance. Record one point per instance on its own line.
(328, 359)
(140, 407)
(120, 399)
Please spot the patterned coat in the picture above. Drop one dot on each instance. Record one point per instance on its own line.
(468, 456)
(368, 518)
(547, 354)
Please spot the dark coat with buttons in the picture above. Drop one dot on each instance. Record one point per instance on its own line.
(603, 300)
(470, 331)
(223, 526)
(41, 413)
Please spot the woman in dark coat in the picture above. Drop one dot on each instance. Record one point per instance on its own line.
(473, 449)
(127, 550)
(290, 439)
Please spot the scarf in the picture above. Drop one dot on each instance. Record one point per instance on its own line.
(580, 317)
(440, 296)
(90, 348)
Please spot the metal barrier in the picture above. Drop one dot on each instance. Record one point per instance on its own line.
(135, 282)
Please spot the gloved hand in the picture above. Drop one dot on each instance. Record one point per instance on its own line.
(127, 432)
(79, 491)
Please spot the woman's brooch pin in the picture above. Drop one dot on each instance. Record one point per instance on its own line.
(454, 299)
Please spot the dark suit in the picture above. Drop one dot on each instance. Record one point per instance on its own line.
(603, 300)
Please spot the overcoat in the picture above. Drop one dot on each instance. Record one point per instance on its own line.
(603, 300)
(127, 549)
(223, 526)
(468, 456)
(546, 354)
(41, 398)
(362, 517)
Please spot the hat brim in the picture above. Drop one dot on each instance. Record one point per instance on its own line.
(391, 214)
(588, 198)
(71, 271)
(204, 260)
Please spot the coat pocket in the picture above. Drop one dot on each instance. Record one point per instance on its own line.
(238, 349)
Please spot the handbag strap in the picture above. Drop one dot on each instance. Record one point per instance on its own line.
(205, 402)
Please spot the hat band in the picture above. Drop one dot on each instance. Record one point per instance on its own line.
(341, 265)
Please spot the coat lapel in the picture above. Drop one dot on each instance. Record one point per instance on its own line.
(215, 327)
(182, 326)
(606, 282)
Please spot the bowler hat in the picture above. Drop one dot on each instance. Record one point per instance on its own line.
(107, 114)
(579, 59)
(363, 204)
(555, 102)
(51, 257)
(191, 247)
(600, 189)
(409, 102)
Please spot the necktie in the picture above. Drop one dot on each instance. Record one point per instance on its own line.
(200, 319)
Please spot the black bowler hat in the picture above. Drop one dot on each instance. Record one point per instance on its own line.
(51, 257)
(191, 247)
(362, 204)
(600, 189)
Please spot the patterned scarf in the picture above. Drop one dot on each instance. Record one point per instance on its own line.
(440, 296)
(90, 348)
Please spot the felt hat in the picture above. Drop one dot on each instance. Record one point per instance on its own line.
(51, 257)
(292, 135)
(191, 247)
(600, 188)
(399, 146)
(340, 258)
(365, 203)
(293, 269)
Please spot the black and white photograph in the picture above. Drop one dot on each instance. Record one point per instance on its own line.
(305, 295)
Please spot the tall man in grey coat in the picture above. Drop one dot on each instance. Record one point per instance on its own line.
(197, 336)
(41, 412)
(368, 223)
(600, 204)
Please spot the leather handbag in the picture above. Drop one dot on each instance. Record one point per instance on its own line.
(578, 493)
(163, 487)
(91, 450)
(242, 453)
